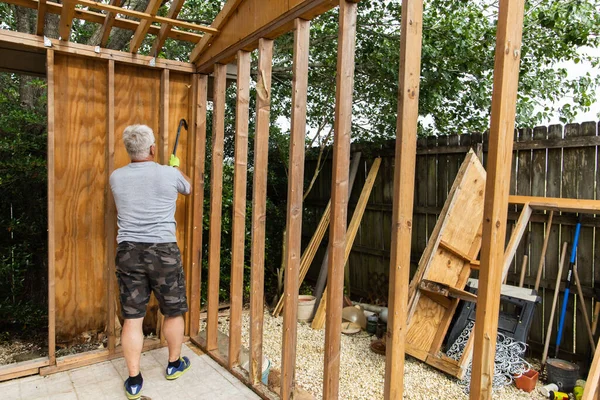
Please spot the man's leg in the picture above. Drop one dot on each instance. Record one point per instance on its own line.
(173, 328)
(132, 341)
(168, 283)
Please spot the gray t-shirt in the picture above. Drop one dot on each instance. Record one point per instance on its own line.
(145, 194)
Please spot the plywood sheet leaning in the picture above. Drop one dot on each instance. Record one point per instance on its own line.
(446, 262)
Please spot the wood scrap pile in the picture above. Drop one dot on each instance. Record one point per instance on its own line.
(444, 269)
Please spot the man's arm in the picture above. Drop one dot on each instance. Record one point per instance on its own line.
(174, 162)
(187, 178)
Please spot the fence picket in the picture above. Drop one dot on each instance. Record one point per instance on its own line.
(538, 188)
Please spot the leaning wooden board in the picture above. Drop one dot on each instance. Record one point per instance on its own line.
(448, 259)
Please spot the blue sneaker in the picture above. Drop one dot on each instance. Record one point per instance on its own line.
(133, 392)
(184, 365)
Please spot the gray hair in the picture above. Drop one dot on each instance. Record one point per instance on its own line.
(137, 140)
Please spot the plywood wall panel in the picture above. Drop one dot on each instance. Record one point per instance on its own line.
(80, 117)
(179, 91)
(80, 181)
(136, 102)
(179, 97)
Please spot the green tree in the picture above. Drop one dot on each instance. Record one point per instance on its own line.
(457, 65)
(23, 205)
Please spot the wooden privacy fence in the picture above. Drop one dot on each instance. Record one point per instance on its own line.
(552, 161)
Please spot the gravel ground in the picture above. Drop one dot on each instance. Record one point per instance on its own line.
(18, 350)
(362, 371)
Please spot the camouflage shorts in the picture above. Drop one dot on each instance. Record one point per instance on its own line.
(145, 267)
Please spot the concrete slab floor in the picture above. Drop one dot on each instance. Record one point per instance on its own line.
(104, 381)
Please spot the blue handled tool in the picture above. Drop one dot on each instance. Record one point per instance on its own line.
(561, 324)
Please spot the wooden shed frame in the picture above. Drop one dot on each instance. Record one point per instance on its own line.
(231, 36)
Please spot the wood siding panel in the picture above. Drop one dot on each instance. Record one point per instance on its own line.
(84, 120)
(80, 181)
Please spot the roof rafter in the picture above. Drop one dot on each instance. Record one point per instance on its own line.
(108, 22)
(66, 19)
(159, 42)
(145, 16)
(99, 18)
(41, 17)
(240, 32)
(220, 20)
(142, 30)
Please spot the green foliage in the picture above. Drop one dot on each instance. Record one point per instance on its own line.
(23, 205)
(276, 202)
(6, 17)
(457, 65)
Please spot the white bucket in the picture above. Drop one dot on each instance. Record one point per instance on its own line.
(305, 307)
(266, 367)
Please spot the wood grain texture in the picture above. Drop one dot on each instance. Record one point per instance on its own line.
(294, 207)
(259, 206)
(162, 142)
(22, 368)
(66, 20)
(404, 175)
(450, 204)
(455, 242)
(572, 205)
(180, 94)
(80, 202)
(339, 196)
(515, 238)
(51, 208)
(504, 97)
(110, 221)
(216, 202)
(179, 98)
(198, 199)
(192, 166)
(41, 17)
(238, 231)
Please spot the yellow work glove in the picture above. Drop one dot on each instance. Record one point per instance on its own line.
(173, 161)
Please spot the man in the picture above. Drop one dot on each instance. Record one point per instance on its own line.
(148, 258)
